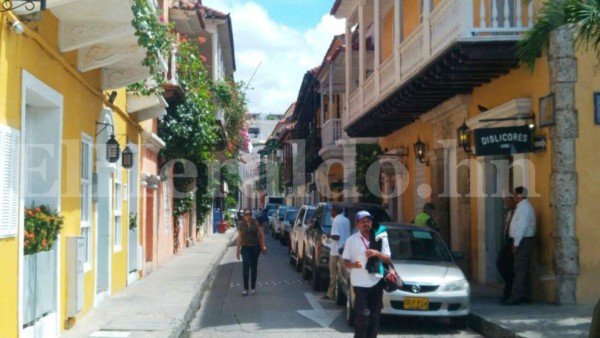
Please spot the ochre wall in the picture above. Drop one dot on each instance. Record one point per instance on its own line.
(408, 136)
(524, 83)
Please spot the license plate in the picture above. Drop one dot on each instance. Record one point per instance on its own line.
(414, 303)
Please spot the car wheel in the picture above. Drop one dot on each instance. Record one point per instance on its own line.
(340, 299)
(299, 263)
(316, 278)
(292, 260)
(305, 271)
(350, 314)
(459, 322)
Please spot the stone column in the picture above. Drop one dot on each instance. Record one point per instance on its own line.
(563, 180)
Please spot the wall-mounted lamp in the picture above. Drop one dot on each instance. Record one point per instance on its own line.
(420, 150)
(112, 149)
(28, 5)
(127, 161)
(463, 138)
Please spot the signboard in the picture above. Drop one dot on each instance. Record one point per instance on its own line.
(503, 141)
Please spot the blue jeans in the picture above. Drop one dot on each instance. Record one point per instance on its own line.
(250, 264)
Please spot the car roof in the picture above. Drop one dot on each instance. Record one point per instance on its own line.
(405, 226)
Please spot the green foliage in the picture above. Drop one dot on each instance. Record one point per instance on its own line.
(581, 16)
(42, 226)
(156, 36)
(182, 206)
(231, 99)
(366, 155)
(133, 221)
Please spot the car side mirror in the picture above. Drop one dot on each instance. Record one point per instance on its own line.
(458, 255)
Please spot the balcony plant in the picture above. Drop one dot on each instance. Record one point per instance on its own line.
(156, 36)
(42, 226)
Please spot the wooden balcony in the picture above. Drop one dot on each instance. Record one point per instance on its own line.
(460, 45)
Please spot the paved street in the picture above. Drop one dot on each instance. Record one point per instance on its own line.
(284, 304)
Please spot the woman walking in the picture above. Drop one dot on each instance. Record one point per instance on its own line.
(250, 242)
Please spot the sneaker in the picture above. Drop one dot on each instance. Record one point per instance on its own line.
(326, 297)
(245, 293)
(252, 292)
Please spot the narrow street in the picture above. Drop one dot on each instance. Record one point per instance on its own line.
(285, 305)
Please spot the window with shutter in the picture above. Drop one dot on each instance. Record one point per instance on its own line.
(86, 198)
(9, 181)
(118, 198)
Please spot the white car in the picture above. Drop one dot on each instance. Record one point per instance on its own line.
(278, 221)
(434, 286)
(301, 223)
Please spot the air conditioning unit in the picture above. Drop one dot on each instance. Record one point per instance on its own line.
(75, 263)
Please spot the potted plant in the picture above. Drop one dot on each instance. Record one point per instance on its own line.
(42, 226)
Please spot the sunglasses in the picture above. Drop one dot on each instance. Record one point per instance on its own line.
(247, 214)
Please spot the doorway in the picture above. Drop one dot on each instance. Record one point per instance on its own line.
(41, 138)
(103, 228)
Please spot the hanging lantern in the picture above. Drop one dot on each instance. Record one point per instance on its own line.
(127, 160)
(112, 150)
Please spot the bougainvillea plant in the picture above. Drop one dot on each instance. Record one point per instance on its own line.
(42, 227)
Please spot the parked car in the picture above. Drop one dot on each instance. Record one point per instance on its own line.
(270, 215)
(434, 286)
(288, 220)
(278, 221)
(316, 251)
(301, 223)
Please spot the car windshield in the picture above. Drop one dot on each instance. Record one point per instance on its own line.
(271, 212)
(417, 245)
(309, 214)
(290, 215)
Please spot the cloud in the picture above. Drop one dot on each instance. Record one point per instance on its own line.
(280, 55)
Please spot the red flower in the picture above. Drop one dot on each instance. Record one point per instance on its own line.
(203, 58)
(161, 19)
(201, 39)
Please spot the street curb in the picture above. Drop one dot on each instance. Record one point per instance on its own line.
(488, 328)
(196, 299)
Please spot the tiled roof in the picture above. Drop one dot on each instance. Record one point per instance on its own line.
(213, 13)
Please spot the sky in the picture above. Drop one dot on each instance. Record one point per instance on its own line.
(278, 41)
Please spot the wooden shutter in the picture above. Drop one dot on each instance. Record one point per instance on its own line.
(9, 181)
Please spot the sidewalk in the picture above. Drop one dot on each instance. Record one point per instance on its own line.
(491, 319)
(161, 304)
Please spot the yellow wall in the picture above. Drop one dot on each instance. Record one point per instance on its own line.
(497, 92)
(387, 35)
(411, 18)
(587, 159)
(407, 137)
(36, 51)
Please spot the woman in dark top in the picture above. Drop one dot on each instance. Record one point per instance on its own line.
(251, 241)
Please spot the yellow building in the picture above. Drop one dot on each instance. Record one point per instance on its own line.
(428, 68)
(56, 74)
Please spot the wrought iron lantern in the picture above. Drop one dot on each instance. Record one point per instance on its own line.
(127, 160)
(112, 149)
(420, 149)
(463, 138)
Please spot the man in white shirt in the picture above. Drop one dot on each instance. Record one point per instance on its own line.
(522, 232)
(340, 230)
(368, 286)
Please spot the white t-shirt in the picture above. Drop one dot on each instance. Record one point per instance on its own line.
(523, 222)
(339, 227)
(354, 250)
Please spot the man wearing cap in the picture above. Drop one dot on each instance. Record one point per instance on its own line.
(340, 230)
(424, 218)
(367, 244)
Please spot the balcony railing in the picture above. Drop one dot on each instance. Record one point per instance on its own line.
(450, 21)
(331, 132)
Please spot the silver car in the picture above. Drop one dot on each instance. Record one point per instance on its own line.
(434, 286)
